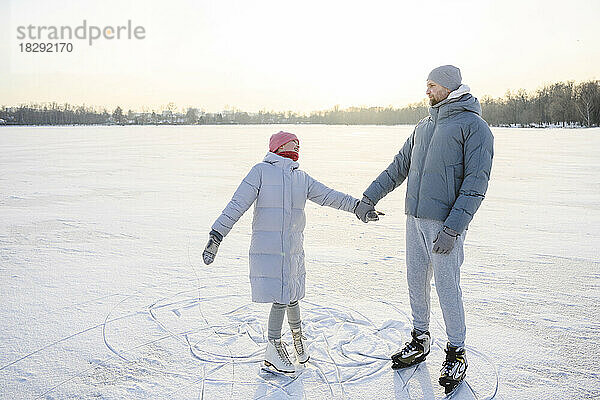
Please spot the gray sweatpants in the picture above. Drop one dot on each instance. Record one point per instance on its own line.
(421, 265)
(276, 318)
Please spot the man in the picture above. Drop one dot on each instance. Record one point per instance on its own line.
(447, 160)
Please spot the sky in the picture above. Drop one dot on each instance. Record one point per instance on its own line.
(300, 56)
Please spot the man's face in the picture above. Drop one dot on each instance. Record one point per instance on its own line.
(436, 93)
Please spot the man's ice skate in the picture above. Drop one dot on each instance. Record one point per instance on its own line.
(299, 346)
(454, 368)
(277, 358)
(413, 352)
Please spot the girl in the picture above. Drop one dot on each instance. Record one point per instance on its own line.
(279, 191)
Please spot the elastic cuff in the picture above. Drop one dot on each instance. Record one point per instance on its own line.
(450, 231)
(368, 200)
(216, 234)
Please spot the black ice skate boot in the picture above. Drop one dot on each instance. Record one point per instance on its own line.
(414, 352)
(454, 368)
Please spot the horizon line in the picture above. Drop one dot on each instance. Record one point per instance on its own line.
(172, 106)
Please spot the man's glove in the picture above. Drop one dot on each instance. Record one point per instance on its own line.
(210, 251)
(365, 210)
(444, 241)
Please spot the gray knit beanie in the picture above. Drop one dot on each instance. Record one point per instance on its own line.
(447, 75)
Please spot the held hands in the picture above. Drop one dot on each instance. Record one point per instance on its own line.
(210, 251)
(444, 241)
(365, 210)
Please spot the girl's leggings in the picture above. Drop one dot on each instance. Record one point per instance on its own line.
(276, 318)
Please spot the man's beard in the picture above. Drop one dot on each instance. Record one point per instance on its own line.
(433, 101)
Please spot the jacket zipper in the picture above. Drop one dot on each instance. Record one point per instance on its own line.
(423, 167)
(282, 230)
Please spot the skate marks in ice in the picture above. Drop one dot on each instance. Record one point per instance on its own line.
(225, 336)
(217, 355)
(204, 342)
(95, 357)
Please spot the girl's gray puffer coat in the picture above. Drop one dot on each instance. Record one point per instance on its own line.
(279, 191)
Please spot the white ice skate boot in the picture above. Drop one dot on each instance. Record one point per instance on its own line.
(277, 358)
(299, 346)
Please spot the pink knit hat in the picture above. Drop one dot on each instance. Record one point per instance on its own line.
(279, 139)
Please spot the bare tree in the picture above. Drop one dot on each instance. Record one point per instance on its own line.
(118, 115)
(191, 116)
(586, 100)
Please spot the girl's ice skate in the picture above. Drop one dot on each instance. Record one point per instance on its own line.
(300, 346)
(277, 358)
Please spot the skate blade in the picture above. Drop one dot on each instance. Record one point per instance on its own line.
(400, 365)
(304, 362)
(270, 368)
(451, 388)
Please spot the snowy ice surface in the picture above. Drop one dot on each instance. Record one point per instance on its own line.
(104, 295)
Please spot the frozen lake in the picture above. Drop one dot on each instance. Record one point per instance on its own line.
(104, 294)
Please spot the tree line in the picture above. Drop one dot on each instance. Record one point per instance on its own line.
(560, 104)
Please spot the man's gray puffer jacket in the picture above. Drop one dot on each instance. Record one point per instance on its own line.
(447, 159)
(279, 190)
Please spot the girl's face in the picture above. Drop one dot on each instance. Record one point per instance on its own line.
(292, 145)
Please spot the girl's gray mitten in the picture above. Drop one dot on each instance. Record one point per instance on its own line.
(210, 251)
